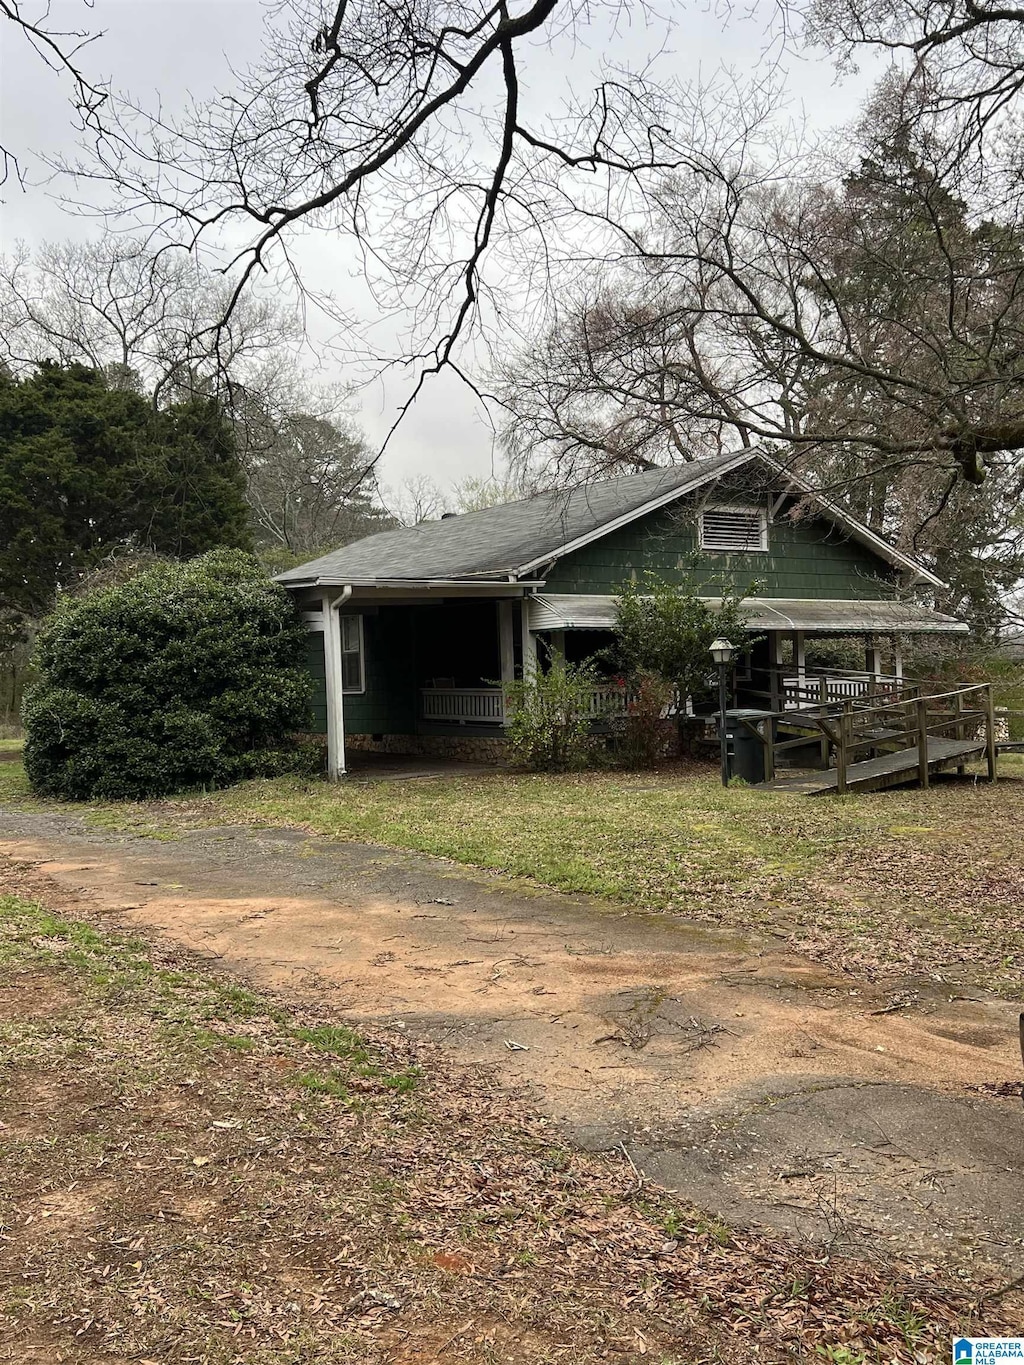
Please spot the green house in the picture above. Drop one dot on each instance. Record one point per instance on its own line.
(412, 633)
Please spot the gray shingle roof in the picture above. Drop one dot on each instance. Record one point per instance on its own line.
(498, 541)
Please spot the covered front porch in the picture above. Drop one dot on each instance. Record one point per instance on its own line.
(427, 673)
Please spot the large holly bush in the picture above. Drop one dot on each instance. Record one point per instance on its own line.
(188, 675)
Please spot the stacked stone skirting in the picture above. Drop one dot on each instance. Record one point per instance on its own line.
(468, 748)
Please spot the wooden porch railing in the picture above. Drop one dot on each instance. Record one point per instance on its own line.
(486, 705)
(782, 689)
(865, 725)
(479, 705)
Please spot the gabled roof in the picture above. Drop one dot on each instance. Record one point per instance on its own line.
(516, 538)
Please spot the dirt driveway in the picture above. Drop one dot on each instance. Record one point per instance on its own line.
(746, 1078)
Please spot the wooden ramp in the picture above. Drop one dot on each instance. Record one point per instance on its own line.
(887, 770)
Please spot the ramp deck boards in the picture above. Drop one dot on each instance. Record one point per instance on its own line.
(887, 770)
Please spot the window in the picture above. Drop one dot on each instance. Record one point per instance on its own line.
(352, 654)
(734, 528)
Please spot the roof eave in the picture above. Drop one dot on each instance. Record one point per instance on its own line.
(341, 581)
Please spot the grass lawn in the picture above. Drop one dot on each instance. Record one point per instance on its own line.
(190, 1173)
(919, 882)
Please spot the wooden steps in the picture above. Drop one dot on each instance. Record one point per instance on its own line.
(887, 770)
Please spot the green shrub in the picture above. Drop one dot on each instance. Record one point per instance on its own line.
(662, 629)
(188, 675)
(549, 718)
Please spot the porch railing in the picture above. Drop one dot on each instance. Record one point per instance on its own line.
(797, 691)
(475, 705)
(486, 705)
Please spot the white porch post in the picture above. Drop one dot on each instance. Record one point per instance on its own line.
(800, 661)
(557, 638)
(800, 656)
(506, 646)
(897, 659)
(778, 695)
(335, 691)
(873, 659)
(529, 643)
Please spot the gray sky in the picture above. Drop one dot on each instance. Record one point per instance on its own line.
(168, 50)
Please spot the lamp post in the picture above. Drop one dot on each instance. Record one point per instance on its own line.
(722, 652)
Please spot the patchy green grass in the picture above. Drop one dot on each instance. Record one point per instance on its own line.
(919, 882)
(191, 1172)
(916, 882)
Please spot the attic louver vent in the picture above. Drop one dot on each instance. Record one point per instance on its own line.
(733, 528)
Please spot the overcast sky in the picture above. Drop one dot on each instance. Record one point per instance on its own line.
(171, 49)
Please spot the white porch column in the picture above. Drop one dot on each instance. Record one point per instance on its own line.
(557, 638)
(506, 620)
(873, 659)
(800, 666)
(335, 690)
(778, 698)
(506, 646)
(529, 643)
(897, 659)
(800, 656)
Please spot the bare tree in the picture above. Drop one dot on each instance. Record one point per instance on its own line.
(861, 321)
(475, 493)
(961, 61)
(419, 498)
(406, 131)
(415, 500)
(867, 311)
(301, 484)
(149, 321)
(61, 50)
(116, 305)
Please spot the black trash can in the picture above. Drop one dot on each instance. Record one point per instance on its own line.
(746, 750)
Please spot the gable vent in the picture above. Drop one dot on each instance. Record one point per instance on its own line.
(734, 528)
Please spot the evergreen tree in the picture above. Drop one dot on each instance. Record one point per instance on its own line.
(88, 468)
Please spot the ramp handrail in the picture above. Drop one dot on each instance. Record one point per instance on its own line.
(846, 728)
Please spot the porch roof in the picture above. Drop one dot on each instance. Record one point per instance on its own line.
(856, 616)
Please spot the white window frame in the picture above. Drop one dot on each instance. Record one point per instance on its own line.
(750, 509)
(357, 617)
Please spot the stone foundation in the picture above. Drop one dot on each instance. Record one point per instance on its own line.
(465, 748)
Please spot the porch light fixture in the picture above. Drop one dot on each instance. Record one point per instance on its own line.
(722, 652)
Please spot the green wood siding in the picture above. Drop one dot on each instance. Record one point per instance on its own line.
(315, 664)
(403, 649)
(805, 558)
(388, 704)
